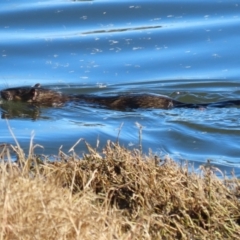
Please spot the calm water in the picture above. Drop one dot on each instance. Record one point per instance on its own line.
(188, 50)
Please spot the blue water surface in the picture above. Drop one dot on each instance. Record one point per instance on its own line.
(188, 50)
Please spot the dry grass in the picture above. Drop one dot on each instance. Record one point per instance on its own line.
(118, 194)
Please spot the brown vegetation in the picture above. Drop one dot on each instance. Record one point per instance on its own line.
(116, 194)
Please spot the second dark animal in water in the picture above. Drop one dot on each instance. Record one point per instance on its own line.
(43, 96)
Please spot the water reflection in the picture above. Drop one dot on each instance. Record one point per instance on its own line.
(122, 30)
(12, 110)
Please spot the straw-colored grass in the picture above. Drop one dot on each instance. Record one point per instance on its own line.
(116, 194)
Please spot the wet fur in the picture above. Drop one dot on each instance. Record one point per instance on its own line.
(42, 96)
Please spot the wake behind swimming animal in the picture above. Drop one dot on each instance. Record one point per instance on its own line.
(47, 97)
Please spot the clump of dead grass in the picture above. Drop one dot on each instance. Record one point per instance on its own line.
(115, 194)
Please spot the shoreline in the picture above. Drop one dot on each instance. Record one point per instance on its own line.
(114, 194)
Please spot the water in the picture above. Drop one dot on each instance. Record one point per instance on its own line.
(184, 49)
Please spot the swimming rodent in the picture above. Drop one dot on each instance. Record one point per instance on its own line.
(42, 96)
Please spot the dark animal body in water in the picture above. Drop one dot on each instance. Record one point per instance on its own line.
(42, 96)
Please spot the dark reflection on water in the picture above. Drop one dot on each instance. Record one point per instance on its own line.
(186, 50)
(10, 110)
(122, 30)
